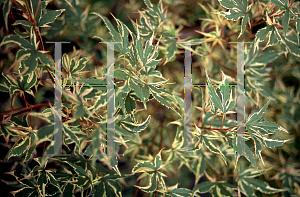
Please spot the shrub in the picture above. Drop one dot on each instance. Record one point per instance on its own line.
(149, 106)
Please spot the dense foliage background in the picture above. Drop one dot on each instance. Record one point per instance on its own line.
(149, 89)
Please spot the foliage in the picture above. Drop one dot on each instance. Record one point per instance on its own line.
(149, 109)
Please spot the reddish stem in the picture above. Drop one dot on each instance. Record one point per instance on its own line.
(291, 3)
(222, 121)
(121, 83)
(212, 121)
(37, 9)
(21, 9)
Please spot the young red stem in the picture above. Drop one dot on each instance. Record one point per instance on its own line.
(222, 121)
(120, 83)
(212, 121)
(200, 119)
(139, 70)
(215, 129)
(291, 3)
(38, 7)
(33, 25)
(230, 127)
(22, 108)
(21, 8)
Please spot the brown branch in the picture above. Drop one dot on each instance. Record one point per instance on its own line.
(26, 109)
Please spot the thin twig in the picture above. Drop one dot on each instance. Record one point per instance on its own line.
(222, 120)
(212, 120)
(38, 7)
(21, 8)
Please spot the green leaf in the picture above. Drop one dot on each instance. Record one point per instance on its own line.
(19, 149)
(213, 95)
(286, 17)
(17, 40)
(158, 160)
(115, 35)
(71, 135)
(31, 61)
(100, 189)
(121, 74)
(277, 3)
(25, 191)
(23, 22)
(45, 132)
(32, 147)
(209, 144)
(132, 127)
(78, 169)
(111, 191)
(124, 33)
(265, 57)
(49, 17)
(250, 156)
(53, 181)
(130, 104)
(30, 82)
(237, 9)
(268, 127)
(285, 21)
(256, 116)
(90, 81)
(203, 187)
(152, 184)
(42, 182)
(183, 192)
(199, 166)
(136, 88)
(171, 49)
(6, 10)
(113, 161)
(261, 186)
(224, 191)
(69, 190)
(293, 48)
(227, 4)
(161, 99)
(248, 191)
(145, 166)
(273, 143)
(119, 100)
(80, 111)
(269, 31)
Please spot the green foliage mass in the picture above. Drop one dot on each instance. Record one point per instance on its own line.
(148, 97)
